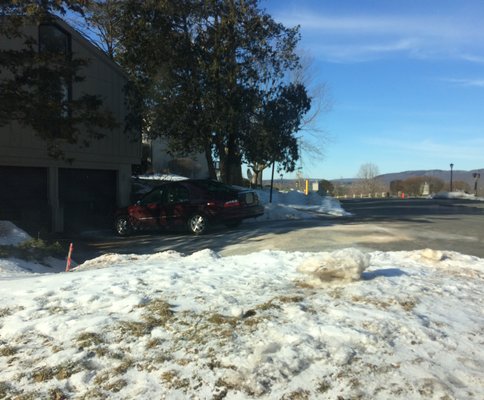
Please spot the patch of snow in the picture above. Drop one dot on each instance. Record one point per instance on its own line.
(457, 195)
(161, 177)
(297, 205)
(11, 235)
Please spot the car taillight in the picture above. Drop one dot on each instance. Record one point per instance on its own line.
(232, 203)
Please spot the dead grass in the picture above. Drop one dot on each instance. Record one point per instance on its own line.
(94, 394)
(6, 389)
(219, 319)
(89, 339)
(61, 371)
(276, 302)
(57, 394)
(323, 387)
(134, 328)
(5, 312)
(123, 367)
(158, 309)
(8, 351)
(297, 395)
(27, 396)
(115, 386)
(155, 313)
(407, 304)
(173, 381)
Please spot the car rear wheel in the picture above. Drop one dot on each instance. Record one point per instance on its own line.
(197, 224)
(122, 226)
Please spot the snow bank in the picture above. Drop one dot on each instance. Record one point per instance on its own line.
(11, 235)
(297, 205)
(457, 195)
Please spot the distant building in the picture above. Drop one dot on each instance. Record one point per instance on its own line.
(39, 192)
(425, 189)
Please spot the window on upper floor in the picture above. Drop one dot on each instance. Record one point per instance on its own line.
(55, 43)
(54, 40)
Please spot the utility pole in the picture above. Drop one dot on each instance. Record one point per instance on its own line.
(451, 166)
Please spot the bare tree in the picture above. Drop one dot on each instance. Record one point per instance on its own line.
(313, 139)
(368, 181)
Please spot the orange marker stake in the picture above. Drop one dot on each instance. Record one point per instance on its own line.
(68, 264)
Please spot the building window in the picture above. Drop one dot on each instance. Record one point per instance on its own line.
(55, 44)
(54, 40)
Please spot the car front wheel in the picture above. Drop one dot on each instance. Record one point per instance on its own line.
(123, 226)
(197, 224)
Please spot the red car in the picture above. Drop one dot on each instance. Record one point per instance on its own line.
(188, 204)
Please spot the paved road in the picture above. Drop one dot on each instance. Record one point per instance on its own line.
(388, 225)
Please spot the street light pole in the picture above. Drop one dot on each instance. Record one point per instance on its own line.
(451, 166)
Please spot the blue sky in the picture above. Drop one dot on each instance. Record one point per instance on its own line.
(404, 78)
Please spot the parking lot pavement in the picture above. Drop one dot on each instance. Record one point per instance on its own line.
(386, 225)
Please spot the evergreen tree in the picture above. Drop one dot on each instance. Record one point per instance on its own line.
(211, 76)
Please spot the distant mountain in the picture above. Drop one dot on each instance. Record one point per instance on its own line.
(457, 175)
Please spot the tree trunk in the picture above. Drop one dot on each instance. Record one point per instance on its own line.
(212, 173)
(230, 162)
(256, 180)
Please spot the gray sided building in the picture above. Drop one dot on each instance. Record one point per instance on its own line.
(41, 193)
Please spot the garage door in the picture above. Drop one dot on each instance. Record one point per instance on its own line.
(88, 198)
(24, 198)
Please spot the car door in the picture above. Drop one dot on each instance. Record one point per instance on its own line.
(176, 205)
(148, 209)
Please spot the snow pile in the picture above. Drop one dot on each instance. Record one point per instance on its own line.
(17, 268)
(245, 327)
(11, 235)
(457, 195)
(341, 266)
(161, 177)
(297, 205)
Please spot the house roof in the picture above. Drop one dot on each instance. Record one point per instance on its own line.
(83, 40)
(86, 43)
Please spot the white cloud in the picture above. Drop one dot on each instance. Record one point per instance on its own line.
(466, 82)
(360, 38)
(467, 149)
(343, 52)
(378, 25)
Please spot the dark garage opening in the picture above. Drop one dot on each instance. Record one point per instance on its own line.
(24, 197)
(88, 198)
